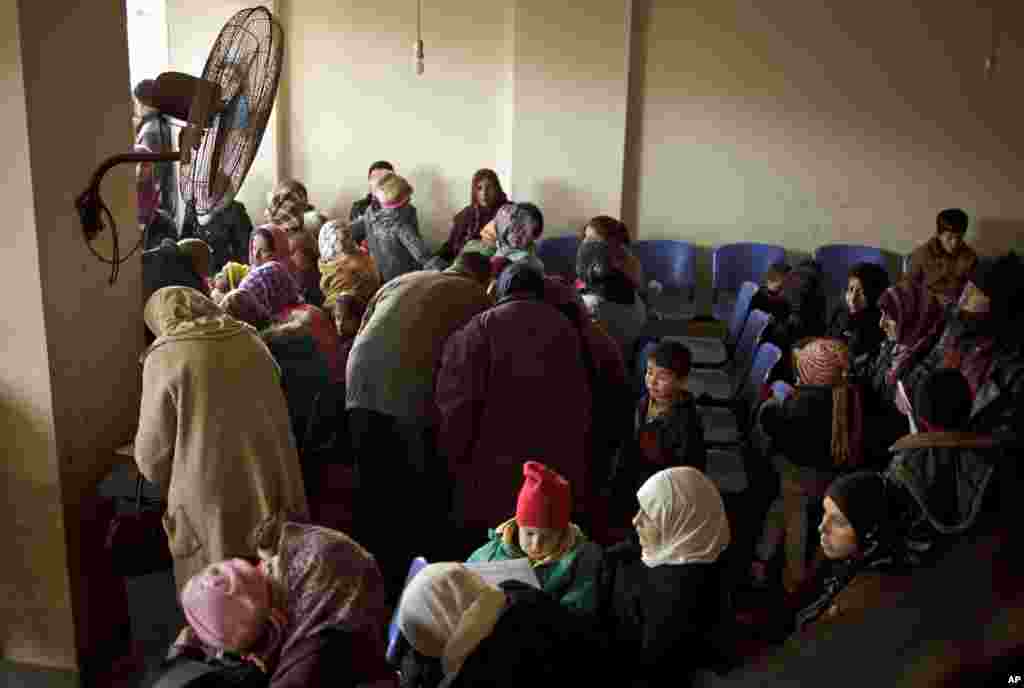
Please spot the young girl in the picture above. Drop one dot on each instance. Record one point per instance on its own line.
(393, 232)
(566, 563)
(311, 613)
(344, 266)
(856, 321)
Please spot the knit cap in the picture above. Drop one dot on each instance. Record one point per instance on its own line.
(822, 361)
(544, 500)
(943, 400)
(228, 604)
(862, 499)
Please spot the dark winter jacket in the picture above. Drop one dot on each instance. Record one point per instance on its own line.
(674, 439)
(512, 386)
(304, 374)
(393, 236)
(535, 642)
(861, 332)
(228, 236)
(665, 621)
(800, 426)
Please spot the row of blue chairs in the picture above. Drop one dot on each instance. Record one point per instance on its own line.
(674, 263)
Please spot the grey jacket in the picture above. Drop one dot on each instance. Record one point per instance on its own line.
(394, 240)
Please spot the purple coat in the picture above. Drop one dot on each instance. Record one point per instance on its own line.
(512, 388)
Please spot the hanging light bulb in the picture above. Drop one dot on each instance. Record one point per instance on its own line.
(418, 47)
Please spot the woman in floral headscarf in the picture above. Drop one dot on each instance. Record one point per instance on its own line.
(814, 433)
(273, 287)
(312, 611)
(221, 478)
(516, 229)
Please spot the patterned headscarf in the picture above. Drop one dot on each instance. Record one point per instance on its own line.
(286, 206)
(446, 611)
(826, 362)
(329, 581)
(688, 515)
(243, 305)
(272, 286)
(281, 248)
(517, 229)
(919, 322)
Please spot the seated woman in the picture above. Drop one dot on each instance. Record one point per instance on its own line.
(393, 232)
(812, 434)
(868, 567)
(610, 298)
(514, 231)
(566, 563)
(344, 266)
(616, 234)
(457, 630)
(486, 197)
(221, 479)
(943, 472)
(856, 322)
(665, 595)
(311, 613)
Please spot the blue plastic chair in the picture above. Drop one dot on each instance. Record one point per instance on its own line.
(559, 255)
(418, 564)
(674, 265)
(726, 464)
(732, 265)
(715, 353)
(723, 384)
(781, 389)
(836, 261)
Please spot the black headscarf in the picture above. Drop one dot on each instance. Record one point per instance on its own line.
(863, 497)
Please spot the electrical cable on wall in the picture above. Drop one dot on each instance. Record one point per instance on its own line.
(418, 47)
(992, 61)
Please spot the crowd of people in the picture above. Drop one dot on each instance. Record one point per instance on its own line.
(464, 383)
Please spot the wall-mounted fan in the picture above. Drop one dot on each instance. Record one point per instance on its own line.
(224, 114)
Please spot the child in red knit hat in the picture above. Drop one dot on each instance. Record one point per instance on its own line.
(565, 561)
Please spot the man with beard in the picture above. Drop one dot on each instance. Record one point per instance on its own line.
(982, 340)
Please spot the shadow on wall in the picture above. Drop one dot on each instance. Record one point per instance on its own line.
(996, 236)
(433, 201)
(574, 207)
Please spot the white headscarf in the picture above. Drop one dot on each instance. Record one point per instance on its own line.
(446, 611)
(689, 517)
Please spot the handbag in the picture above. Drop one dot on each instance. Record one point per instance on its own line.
(136, 541)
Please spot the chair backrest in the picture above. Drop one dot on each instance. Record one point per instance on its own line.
(767, 357)
(417, 565)
(740, 311)
(836, 261)
(559, 255)
(673, 263)
(734, 264)
(757, 323)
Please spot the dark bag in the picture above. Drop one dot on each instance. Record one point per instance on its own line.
(136, 541)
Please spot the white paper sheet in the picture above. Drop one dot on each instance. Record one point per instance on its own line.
(902, 391)
(495, 572)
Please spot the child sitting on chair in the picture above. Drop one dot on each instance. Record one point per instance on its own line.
(769, 297)
(668, 430)
(566, 563)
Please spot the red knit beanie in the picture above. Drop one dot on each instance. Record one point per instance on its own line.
(544, 500)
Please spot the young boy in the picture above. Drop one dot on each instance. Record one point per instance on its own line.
(668, 428)
(566, 563)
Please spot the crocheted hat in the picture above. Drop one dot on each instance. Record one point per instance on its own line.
(227, 604)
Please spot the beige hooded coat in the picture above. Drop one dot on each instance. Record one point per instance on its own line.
(213, 431)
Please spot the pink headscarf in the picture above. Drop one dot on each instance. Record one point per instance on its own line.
(228, 605)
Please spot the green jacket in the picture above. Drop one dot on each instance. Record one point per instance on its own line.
(572, 580)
